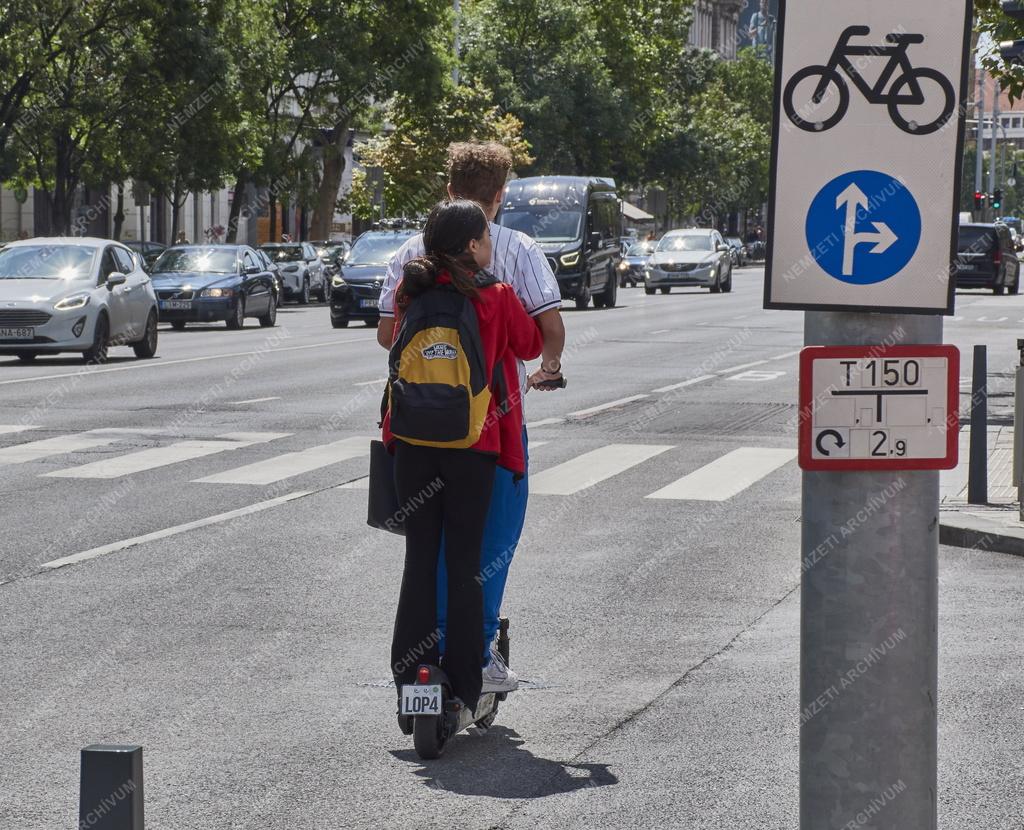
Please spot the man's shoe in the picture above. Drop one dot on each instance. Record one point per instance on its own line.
(497, 677)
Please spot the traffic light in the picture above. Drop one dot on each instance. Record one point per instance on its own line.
(979, 200)
(997, 200)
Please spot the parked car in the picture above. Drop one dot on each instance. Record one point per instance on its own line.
(355, 291)
(149, 251)
(301, 270)
(273, 268)
(697, 256)
(74, 295)
(576, 222)
(631, 269)
(739, 251)
(332, 254)
(986, 259)
(209, 283)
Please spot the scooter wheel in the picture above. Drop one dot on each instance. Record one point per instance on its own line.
(428, 737)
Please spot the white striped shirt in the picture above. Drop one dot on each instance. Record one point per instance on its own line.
(516, 260)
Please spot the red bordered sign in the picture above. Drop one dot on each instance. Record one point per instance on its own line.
(879, 407)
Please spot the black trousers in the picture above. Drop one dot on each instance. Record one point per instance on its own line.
(447, 490)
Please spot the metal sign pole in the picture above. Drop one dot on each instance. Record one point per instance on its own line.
(868, 668)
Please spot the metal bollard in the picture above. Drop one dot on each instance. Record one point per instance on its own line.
(111, 788)
(977, 481)
(1018, 432)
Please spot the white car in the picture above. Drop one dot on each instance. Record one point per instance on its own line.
(73, 294)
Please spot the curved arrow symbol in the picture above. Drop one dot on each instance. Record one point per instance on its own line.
(884, 238)
(820, 441)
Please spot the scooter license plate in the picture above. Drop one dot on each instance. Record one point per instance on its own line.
(421, 700)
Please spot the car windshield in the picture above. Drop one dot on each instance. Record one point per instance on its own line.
(285, 253)
(640, 249)
(545, 224)
(372, 249)
(688, 242)
(974, 239)
(206, 260)
(46, 262)
(331, 251)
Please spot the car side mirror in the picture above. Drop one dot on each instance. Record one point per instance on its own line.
(116, 279)
(723, 248)
(595, 240)
(252, 269)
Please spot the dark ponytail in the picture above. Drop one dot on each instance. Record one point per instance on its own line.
(450, 228)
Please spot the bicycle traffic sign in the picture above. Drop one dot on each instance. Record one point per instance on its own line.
(865, 184)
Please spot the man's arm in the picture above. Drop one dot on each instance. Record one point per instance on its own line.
(552, 329)
(393, 276)
(386, 331)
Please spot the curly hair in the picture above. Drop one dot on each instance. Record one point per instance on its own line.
(477, 170)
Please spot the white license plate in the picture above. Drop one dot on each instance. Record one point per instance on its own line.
(367, 303)
(23, 333)
(421, 700)
(176, 305)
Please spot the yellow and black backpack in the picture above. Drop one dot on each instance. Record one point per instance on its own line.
(440, 387)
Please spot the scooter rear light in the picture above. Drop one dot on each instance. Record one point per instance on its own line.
(423, 675)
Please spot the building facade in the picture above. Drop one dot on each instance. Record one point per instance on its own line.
(716, 26)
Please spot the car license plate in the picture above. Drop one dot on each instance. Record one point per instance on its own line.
(421, 700)
(176, 305)
(17, 334)
(367, 303)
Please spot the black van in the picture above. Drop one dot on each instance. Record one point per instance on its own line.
(986, 258)
(576, 220)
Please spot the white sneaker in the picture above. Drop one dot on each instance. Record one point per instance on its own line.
(497, 676)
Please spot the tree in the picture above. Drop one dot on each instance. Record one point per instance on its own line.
(412, 155)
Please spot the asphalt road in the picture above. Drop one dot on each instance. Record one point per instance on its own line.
(185, 565)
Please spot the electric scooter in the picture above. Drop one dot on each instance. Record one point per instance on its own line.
(433, 715)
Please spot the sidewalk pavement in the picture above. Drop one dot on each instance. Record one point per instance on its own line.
(995, 526)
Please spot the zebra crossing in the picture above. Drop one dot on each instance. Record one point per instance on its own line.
(726, 477)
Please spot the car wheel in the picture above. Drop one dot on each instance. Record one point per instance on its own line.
(666, 290)
(97, 352)
(146, 347)
(649, 291)
(237, 320)
(178, 325)
(325, 291)
(999, 290)
(27, 357)
(727, 285)
(583, 299)
(304, 295)
(269, 319)
(372, 324)
(339, 324)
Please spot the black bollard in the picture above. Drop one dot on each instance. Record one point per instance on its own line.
(111, 789)
(977, 481)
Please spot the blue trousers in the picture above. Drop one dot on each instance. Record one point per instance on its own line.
(506, 516)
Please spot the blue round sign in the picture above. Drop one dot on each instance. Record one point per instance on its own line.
(863, 227)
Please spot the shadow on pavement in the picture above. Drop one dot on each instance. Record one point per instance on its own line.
(496, 764)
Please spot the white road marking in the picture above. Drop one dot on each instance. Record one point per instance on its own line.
(754, 376)
(592, 468)
(376, 382)
(94, 553)
(155, 457)
(258, 400)
(156, 364)
(727, 476)
(586, 413)
(741, 367)
(291, 464)
(535, 444)
(34, 450)
(996, 320)
(547, 422)
(684, 384)
(787, 354)
(10, 429)
(661, 331)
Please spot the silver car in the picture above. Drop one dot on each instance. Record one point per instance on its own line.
(698, 256)
(72, 294)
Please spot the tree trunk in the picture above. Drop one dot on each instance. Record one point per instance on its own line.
(236, 206)
(60, 215)
(272, 207)
(119, 213)
(175, 209)
(330, 184)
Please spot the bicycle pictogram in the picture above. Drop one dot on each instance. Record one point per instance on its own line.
(900, 86)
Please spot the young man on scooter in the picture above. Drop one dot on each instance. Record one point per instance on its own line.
(478, 171)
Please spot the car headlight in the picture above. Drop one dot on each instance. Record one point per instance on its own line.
(219, 292)
(74, 301)
(623, 266)
(568, 260)
(337, 281)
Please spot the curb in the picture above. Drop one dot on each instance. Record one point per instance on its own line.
(979, 533)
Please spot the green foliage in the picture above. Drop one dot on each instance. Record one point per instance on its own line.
(992, 22)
